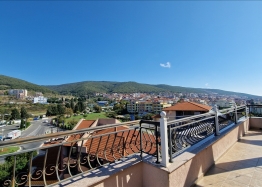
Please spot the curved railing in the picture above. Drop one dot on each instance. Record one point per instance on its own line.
(68, 154)
(188, 131)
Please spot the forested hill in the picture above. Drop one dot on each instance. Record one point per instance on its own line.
(89, 87)
(14, 83)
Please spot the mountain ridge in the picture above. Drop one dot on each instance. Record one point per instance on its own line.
(7, 82)
(90, 87)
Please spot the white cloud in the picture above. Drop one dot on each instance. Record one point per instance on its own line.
(206, 84)
(167, 65)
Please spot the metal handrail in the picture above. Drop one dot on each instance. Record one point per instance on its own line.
(64, 133)
(94, 148)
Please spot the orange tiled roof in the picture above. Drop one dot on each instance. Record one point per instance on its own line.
(85, 124)
(188, 106)
(115, 146)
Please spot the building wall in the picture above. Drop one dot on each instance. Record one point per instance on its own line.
(40, 99)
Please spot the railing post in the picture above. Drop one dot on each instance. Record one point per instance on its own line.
(216, 121)
(157, 144)
(140, 136)
(247, 111)
(164, 137)
(170, 144)
(235, 113)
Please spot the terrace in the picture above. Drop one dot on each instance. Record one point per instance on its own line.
(194, 150)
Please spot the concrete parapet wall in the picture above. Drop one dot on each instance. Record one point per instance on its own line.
(194, 164)
(255, 122)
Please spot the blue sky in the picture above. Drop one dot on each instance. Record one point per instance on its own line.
(202, 44)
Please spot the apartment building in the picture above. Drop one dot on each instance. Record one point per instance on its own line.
(146, 106)
(19, 93)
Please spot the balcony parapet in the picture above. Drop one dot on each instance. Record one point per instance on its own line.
(81, 152)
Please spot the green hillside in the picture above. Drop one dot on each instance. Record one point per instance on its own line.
(14, 83)
(90, 87)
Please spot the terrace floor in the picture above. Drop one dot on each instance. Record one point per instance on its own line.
(241, 166)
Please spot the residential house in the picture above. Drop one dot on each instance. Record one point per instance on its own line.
(185, 109)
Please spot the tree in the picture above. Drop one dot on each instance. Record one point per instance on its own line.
(60, 109)
(68, 111)
(72, 122)
(148, 116)
(67, 105)
(81, 106)
(15, 114)
(61, 119)
(2, 114)
(97, 108)
(120, 108)
(111, 114)
(76, 109)
(72, 104)
(23, 113)
(22, 124)
(52, 110)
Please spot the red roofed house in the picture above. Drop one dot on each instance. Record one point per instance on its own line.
(185, 109)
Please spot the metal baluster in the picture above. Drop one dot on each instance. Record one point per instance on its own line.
(170, 144)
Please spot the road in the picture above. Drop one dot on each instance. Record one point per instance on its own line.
(36, 128)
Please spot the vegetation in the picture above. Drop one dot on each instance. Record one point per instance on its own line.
(91, 116)
(87, 88)
(14, 83)
(90, 87)
(21, 165)
(7, 150)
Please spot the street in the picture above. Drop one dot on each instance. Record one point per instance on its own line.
(37, 127)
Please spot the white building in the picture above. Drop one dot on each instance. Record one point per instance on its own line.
(40, 99)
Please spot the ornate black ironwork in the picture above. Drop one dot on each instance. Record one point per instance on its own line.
(83, 152)
(190, 133)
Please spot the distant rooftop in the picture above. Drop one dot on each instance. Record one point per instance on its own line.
(188, 106)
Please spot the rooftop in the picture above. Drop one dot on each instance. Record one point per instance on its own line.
(241, 166)
(188, 106)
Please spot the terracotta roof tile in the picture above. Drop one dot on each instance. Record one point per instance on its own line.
(188, 106)
(85, 124)
(117, 145)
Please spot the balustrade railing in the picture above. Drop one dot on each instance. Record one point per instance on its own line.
(255, 110)
(185, 132)
(191, 132)
(68, 154)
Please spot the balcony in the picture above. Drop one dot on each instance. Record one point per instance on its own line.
(181, 152)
